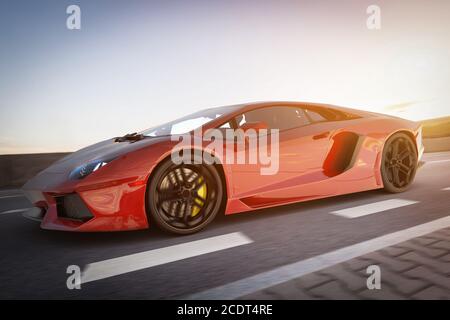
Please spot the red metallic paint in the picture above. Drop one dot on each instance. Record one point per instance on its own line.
(116, 194)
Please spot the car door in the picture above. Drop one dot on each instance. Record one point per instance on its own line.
(302, 150)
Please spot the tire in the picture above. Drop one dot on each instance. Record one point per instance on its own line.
(184, 199)
(399, 163)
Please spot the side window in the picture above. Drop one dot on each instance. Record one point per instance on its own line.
(281, 118)
(315, 116)
(320, 114)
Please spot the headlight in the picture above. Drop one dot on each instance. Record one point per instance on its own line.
(87, 168)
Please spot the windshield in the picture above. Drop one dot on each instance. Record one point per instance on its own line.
(188, 123)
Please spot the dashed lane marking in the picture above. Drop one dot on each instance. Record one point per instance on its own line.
(437, 161)
(143, 260)
(14, 211)
(371, 208)
(13, 196)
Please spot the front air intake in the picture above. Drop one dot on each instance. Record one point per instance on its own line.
(72, 207)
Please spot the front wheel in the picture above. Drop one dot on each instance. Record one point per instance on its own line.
(185, 198)
(399, 163)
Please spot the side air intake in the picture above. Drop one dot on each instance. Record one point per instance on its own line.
(342, 154)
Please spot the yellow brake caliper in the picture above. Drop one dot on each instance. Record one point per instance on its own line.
(201, 192)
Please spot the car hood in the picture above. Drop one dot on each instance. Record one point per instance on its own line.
(55, 178)
(106, 150)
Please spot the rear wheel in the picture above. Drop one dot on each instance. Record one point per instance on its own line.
(185, 198)
(399, 163)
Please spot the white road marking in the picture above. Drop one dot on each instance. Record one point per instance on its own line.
(117, 266)
(295, 270)
(15, 211)
(13, 196)
(446, 189)
(437, 161)
(364, 210)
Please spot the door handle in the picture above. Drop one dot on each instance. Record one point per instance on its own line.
(321, 135)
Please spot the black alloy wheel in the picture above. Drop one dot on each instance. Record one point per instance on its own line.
(185, 198)
(399, 163)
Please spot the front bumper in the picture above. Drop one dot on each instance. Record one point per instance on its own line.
(118, 206)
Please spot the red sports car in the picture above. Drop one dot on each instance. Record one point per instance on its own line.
(132, 182)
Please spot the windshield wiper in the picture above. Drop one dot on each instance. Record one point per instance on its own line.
(133, 137)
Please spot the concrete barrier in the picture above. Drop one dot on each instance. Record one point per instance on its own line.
(17, 169)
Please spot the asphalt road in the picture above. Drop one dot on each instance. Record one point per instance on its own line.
(33, 262)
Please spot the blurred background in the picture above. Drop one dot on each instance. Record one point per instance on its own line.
(135, 64)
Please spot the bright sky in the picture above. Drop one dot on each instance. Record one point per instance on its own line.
(136, 64)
